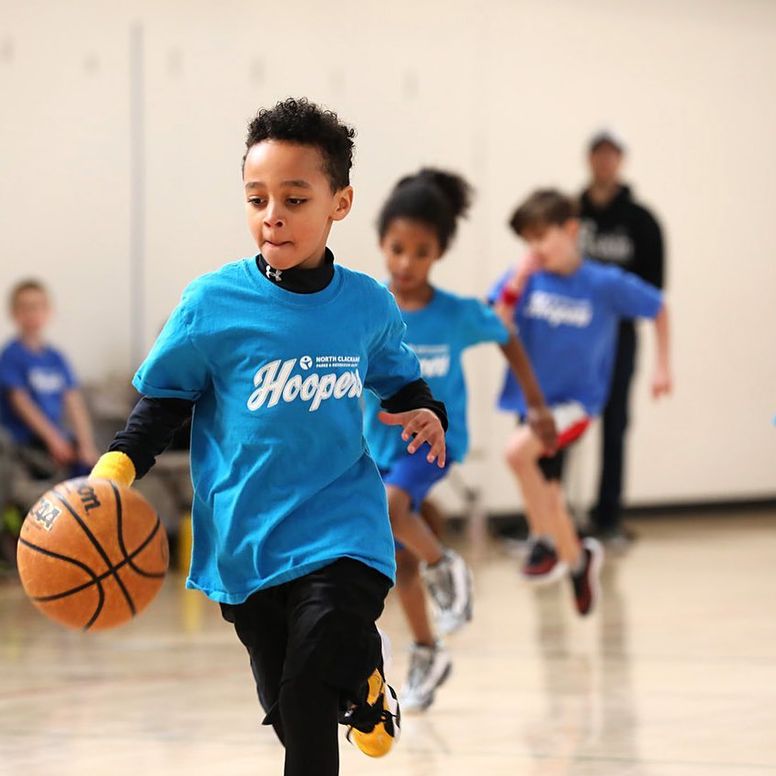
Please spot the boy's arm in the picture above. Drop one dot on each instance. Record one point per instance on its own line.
(32, 416)
(149, 430)
(662, 382)
(414, 396)
(78, 415)
(513, 289)
(632, 297)
(539, 415)
(424, 419)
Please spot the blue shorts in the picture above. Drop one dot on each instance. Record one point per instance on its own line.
(415, 476)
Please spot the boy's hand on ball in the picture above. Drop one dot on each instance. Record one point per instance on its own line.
(421, 426)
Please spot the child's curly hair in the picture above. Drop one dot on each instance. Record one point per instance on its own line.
(304, 122)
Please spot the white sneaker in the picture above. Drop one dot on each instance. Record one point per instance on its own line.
(429, 669)
(449, 584)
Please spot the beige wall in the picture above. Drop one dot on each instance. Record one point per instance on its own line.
(505, 92)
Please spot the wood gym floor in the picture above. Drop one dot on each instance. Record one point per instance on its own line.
(674, 676)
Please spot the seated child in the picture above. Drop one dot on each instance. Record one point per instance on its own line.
(41, 407)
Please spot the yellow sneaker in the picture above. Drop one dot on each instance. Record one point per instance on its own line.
(375, 725)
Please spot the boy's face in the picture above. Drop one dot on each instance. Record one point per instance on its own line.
(290, 204)
(410, 249)
(555, 246)
(31, 311)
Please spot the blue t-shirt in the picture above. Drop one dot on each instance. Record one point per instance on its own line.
(438, 333)
(44, 374)
(283, 480)
(568, 325)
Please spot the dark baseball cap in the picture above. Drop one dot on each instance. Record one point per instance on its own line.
(606, 135)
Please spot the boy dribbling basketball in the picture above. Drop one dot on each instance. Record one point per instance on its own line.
(291, 530)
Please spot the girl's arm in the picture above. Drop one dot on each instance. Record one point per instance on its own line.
(539, 415)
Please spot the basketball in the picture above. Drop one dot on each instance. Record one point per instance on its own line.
(92, 554)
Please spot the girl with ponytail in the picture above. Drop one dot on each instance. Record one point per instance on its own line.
(416, 226)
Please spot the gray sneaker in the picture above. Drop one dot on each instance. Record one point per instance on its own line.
(429, 669)
(449, 584)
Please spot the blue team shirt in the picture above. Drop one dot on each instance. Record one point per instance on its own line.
(438, 333)
(44, 374)
(283, 480)
(568, 325)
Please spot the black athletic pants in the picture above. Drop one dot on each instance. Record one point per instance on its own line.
(606, 514)
(312, 644)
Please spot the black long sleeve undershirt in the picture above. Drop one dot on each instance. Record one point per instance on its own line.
(153, 422)
(416, 396)
(150, 428)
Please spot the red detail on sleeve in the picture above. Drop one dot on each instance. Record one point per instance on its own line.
(509, 296)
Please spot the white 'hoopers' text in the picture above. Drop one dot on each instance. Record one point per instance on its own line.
(274, 382)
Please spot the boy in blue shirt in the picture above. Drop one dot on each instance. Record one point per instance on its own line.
(291, 531)
(567, 310)
(39, 393)
(416, 225)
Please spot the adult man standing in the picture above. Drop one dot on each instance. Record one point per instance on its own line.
(617, 230)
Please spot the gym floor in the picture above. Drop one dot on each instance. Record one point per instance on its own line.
(675, 675)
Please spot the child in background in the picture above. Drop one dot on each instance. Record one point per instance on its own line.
(290, 522)
(567, 310)
(415, 226)
(41, 406)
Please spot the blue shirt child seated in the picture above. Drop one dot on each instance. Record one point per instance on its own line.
(40, 403)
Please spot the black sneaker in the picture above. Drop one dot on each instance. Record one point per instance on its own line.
(542, 564)
(586, 583)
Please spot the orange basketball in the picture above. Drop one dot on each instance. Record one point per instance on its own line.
(92, 554)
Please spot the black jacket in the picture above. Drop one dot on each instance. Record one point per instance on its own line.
(623, 233)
